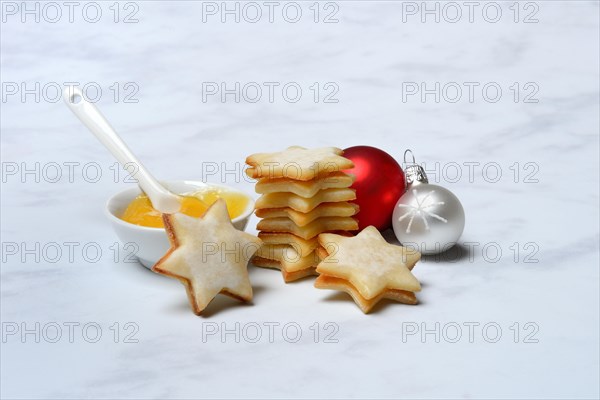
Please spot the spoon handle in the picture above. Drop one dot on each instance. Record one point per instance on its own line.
(162, 199)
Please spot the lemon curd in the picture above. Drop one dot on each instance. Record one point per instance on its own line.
(194, 204)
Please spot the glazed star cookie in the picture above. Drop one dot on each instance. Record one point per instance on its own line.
(340, 209)
(303, 245)
(306, 189)
(208, 255)
(289, 259)
(368, 268)
(302, 204)
(288, 276)
(297, 163)
(309, 231)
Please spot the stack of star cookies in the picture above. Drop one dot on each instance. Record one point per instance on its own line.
(304, 192)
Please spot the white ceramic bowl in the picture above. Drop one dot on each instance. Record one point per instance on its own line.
(152, 243)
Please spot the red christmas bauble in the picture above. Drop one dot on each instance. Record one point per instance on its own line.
(379, 184)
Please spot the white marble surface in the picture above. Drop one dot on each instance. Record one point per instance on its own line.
(368, 54)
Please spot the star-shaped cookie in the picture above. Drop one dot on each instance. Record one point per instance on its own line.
(297, 163)
(368, 268)
(208, 255)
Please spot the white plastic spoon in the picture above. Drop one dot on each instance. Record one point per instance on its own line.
(162, 199)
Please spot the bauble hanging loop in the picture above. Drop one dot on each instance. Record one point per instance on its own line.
(413, 171)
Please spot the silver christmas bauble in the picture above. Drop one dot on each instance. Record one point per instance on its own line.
(427, 217)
